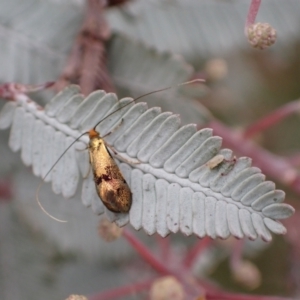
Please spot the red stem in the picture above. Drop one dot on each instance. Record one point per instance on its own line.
(209, 286)
(156, 264)
(164, 245)
(272, 118)
(252, 13)
(159, 266)
(6, 190)
(229, 296)
(196, 251)
(121, 292)
(145, 253)
(236, 254)
(273, 165)
(294, 159)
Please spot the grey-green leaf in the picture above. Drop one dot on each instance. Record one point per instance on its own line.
(181, 178)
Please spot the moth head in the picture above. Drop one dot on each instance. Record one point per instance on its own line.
(93, 133)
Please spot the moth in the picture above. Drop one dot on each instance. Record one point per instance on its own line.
(111, 186)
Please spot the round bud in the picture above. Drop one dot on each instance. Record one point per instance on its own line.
(167, 288)
(247, 274)
(216, 69)
(109, 231)
(261, 35)
(77, 297)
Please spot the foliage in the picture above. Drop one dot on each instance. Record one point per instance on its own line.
(130, 55)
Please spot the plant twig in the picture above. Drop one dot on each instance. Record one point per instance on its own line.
(164, 247)
(200, 246)
(252, 13)
(145, 253)
(236, 254)
(6, 190)
(272, 118)
(294, 159)
(87, 61)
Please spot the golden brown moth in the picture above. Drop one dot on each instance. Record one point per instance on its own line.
(111, 186)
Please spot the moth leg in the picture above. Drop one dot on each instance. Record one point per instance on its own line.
(84, 176)
(232, 160)
(129, 161)
(90, 164)
(86, 148)
(114, 129)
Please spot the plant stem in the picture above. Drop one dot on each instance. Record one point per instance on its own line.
(6, 190)
(164, 247)
(252, 13)
(294, 159)
(272, 118)
(196, 251)
(236, 254)
(145, 253)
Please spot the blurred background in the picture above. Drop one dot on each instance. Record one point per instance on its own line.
(141, 41)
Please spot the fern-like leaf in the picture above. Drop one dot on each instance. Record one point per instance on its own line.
(36, 37)
(175, 187)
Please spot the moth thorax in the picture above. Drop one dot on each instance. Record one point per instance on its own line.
(95, 142)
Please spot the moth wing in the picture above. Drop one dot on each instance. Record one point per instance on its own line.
(116, 195)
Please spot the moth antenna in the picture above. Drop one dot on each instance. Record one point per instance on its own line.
(43, 180)
(150, 93)
(42, 208)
